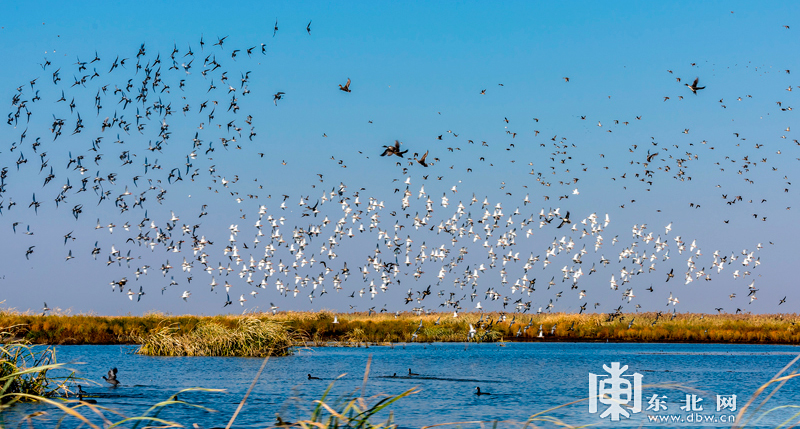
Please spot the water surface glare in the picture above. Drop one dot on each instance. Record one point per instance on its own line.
(523, 379)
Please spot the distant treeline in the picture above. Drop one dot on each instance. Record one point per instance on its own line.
(329, 328)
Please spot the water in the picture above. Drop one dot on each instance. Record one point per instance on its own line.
(523, 379)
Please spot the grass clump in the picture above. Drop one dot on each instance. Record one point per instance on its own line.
(249, 337)
(24, 372)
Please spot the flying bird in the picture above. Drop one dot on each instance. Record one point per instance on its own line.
(346, 87)
(394, 150)
(277, 96)
(694, 86)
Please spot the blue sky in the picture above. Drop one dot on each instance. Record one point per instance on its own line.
(417, 72)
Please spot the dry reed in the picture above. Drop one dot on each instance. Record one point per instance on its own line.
(358, 328)
(250, 337)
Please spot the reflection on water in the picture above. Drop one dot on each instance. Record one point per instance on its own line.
(523, 379)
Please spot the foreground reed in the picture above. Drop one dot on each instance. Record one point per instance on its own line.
(24, 372)
(250, 337)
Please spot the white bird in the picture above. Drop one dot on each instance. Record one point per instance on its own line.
(186, 294)
(672, 300)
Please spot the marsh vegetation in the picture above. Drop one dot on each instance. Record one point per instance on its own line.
(175, 334)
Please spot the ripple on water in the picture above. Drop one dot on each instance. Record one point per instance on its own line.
(523, 378)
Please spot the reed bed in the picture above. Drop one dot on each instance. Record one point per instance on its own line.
(318, 328)
(24, 372)
(250, 337)
(646, 327)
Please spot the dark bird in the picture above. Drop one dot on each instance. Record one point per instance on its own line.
(694, 86)
(88, 401)
(312, 378)
(394, 150)
(479, 393)
(564, 220)
(277, 97)
(346, 87)
(112, 377)
(422, 161)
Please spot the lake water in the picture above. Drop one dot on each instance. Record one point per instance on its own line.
(523, 379)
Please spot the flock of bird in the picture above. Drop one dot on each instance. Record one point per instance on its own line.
(110, 159)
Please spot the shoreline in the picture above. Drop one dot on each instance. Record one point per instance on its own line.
(350, 329)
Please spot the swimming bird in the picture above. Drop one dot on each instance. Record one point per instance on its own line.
(112, 377)
(411, 373)
(88, 401)
(312, 378)
(479, 393)
(281, 422)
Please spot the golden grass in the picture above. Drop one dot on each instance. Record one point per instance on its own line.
(317, 328)
(250, 337)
